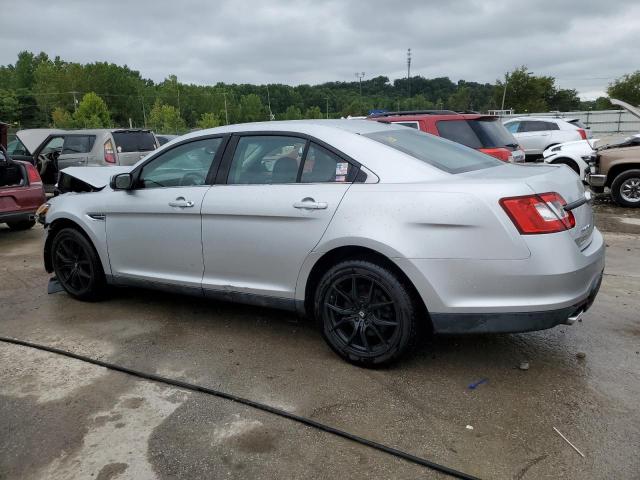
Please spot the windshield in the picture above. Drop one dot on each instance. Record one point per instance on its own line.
(134, 141)
(445, 155)
(479, 133)
(16, 147)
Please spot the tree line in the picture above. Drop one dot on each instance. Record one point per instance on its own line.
(38, 91)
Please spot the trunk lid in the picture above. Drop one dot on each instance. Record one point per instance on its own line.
(549, 178)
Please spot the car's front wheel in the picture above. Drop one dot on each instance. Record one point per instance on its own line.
(625, 189)
(77, 265)
(367, 313)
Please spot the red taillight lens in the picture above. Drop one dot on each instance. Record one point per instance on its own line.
(500, 153)
(33, 175)
(542, 213)
(109, 153)
(583, 133)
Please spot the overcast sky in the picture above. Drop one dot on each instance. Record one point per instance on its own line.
(585, 44)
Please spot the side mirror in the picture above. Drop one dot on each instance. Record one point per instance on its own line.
(122, 181)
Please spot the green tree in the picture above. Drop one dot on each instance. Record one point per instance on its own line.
(460, 100)
(314, 112)
(525, 92)
(251, 108)
(166, 119)
(565, 100)
(292, 113)
(92, 112)
(9, 106)
(61, 118)
(626, 88)
(208, 120)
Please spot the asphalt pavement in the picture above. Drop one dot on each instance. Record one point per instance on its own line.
(64, 419)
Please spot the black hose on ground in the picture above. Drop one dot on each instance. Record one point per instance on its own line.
(250, 403)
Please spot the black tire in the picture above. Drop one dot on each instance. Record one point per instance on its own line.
(77, 265)
(370, 324)
(570, 163)
(625, 188)
(21, 225)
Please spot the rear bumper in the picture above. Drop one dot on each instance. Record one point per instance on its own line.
(596, 180)
(6, 217)
(512, 322)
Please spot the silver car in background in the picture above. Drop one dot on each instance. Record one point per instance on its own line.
(52, 150)
(373, 229)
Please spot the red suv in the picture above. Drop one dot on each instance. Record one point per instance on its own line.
(484, 133)
(21, 192)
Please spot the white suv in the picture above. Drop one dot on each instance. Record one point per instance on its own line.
(536, 134)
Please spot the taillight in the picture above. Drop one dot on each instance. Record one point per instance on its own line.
(499, 153)
(109, 152)
(583, 133)
(541, 213)
(33, 175)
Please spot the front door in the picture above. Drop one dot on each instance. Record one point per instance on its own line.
(280, 195)
(154, 230)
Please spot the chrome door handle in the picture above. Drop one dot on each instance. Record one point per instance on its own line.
(180, 202)
(310, 204)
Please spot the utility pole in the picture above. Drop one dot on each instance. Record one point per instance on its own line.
(504, 92)
(178, 93)
(271, 117)
(144, 113)
(226, 113)
(75, 102)
(327, 99)
(408, 72)
(360, 76)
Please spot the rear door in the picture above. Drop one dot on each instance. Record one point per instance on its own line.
(533, 136)
(133, 145)
(277, 197)
(75, 150)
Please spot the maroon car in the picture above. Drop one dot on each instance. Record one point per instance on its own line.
(21, 192)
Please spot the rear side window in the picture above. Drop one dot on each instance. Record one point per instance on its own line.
(445, 155)
(78, 143)
(512, 126)
(322, 166)
(537, 126)
(134, 141)
(459, 131)
(577, 123)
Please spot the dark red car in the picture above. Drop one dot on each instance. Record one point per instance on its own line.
(21, 192)
(480, 132)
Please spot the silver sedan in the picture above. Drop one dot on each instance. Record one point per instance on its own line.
(374, 230)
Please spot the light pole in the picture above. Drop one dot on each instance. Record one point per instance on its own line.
(408, 73)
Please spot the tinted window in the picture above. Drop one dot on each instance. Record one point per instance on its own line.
(459, 131)
(578, 123)
(492, 133)
(53, 145)
(537, 126)
(266, 159)
(134, 141)
(448, 156)
(78, 143)
(184, 165)
(321, 165)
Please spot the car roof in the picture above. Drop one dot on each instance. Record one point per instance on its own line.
(542, 119)
(434, 116)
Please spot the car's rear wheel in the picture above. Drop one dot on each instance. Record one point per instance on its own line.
(625, 189)
(77, 265)
(367, 313)
(21, 225)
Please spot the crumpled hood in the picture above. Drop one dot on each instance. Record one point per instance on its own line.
(97, 177)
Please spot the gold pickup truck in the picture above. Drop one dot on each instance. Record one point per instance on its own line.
(617, 166)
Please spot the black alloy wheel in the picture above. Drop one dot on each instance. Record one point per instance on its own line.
(367, 314)
(76, 265)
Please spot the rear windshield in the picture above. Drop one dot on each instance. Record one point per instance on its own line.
(448, 156)
(480, 133)
(134, 141)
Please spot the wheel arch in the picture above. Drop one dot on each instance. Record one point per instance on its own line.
(618, 168)
(353, 251)
(57, 225)
(565, 160)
